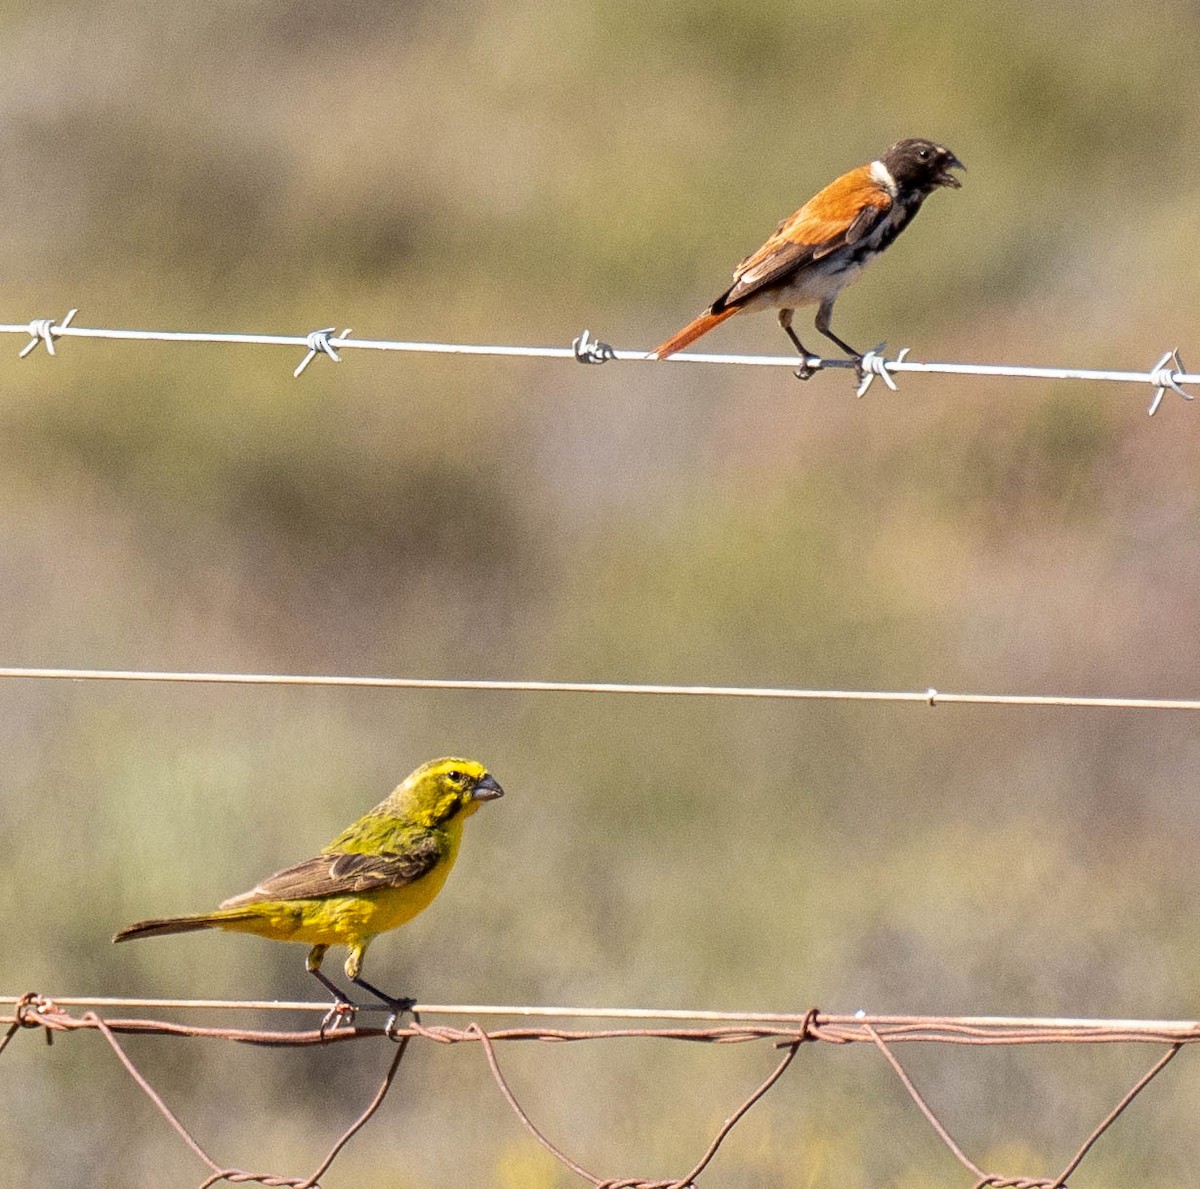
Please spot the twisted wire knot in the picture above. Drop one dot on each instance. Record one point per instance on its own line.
(590, 350)
(873, 365)
(45, 330)
(319, 344)
(1162, 376)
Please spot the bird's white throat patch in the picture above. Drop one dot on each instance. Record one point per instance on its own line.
(883, 176)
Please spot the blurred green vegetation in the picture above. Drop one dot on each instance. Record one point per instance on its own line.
(512, 172)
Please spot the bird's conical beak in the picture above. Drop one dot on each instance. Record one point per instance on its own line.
(946, 178)
(487, 789)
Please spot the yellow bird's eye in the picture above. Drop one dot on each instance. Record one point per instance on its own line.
(456, 777)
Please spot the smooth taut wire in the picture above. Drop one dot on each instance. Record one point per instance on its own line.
(930, 696)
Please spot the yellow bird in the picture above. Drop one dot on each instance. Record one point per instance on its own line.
(376, 875)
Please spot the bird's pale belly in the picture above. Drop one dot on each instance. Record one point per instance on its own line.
(812, 285)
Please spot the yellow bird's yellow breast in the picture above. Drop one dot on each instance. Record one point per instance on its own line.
(352, 918)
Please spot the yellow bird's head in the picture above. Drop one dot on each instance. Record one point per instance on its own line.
(444, 789)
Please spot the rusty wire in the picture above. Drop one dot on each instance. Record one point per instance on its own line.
(788, 1033)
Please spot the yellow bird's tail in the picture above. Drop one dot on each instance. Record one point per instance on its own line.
(692, 331)
(166, 925)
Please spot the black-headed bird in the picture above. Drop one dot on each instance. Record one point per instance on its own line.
(813, 255)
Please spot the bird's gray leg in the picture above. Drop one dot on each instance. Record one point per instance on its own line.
(805, 371)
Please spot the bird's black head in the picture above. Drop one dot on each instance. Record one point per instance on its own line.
(922, 165)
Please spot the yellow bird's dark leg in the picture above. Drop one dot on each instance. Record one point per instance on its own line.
(342, 1008)
(398, 1005)
(804, 371)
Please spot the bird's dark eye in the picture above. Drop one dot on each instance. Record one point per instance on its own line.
(456, 777)
(923, 154)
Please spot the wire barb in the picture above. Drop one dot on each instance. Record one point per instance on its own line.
(319, 344)
(1164, 377)
(590, 350)
(873, 365)
(45, 330)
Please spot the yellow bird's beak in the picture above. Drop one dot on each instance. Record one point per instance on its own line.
(487, 789)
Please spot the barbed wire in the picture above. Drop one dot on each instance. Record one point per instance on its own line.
(929, 697)
(34, 1011)
(1168, 374)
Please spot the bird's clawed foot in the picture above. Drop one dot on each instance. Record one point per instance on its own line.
(806, 370)
(402, 1006)
(342, 1010)
(399, 1006)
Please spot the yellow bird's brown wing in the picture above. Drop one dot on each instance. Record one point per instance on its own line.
(839, 216)
(342, 874)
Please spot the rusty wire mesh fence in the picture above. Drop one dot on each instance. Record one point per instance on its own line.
(782, 1040)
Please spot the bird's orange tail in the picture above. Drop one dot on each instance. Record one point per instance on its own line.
(692, 331)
